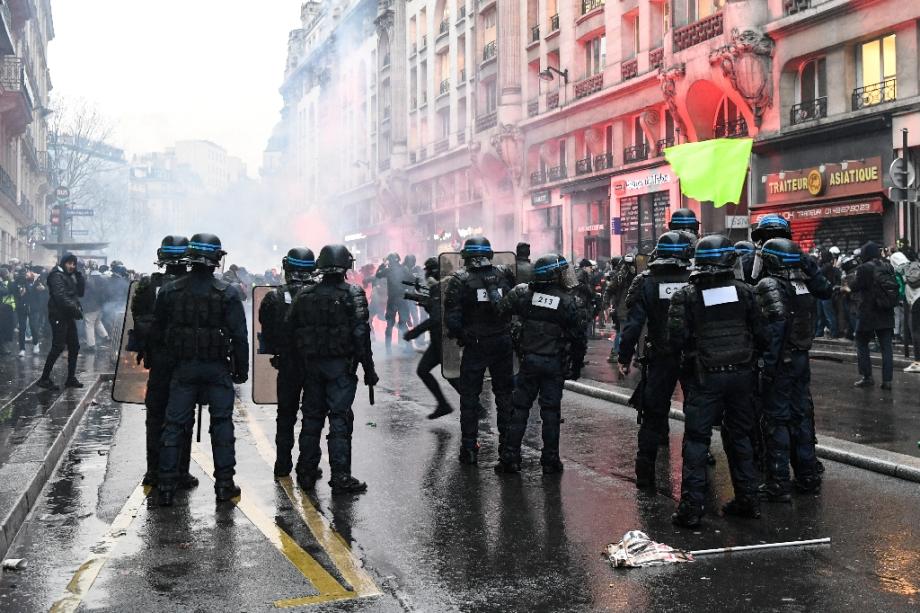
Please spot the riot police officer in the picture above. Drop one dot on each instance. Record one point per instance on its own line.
(395, 273)
(203, 323)
(328, 322)
(769, 226)
(432, 325)
(153, 352)
(298, 266)
(585, 296)
(684, 219)
(790, 311)
(715, 325)
(551, 344)
(746, 253)
(648, 301)
(471, 314)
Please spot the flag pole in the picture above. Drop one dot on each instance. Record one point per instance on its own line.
(706, 552)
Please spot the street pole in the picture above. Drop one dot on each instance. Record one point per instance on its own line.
(905, 204)
(63, 209)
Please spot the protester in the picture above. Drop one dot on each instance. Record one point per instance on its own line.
(877, 289)
(909, 271)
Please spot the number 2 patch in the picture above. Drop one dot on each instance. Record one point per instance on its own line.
(545, 301)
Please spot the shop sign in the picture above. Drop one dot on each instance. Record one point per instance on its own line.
(469, 231)
(825, 181)
(540, 197)
(653, 179)
(843, 209)
(599, 227)
(357, 236)
(616, 226)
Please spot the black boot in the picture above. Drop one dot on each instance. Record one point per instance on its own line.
(165, 497)
(808, 485)
(645, 474)
(469, 455)
(47, 384)
(73, 382)
(150, 479)
(773, 491)
(688, 515)
(226, 490)
(346, 484)
(307, 478)
(742, 506)
(188, 482)
(282, 468)
(865, 382)
(441, 411)
(507, 467)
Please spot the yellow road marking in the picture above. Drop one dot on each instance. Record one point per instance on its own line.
(86, 575)
(331, 541)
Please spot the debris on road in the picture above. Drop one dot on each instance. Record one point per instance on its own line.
(15, 564)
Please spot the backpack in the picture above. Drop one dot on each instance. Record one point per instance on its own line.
(886, 292)
(912, 274)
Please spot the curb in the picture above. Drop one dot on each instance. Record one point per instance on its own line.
(879, 461)
(9, 525)
(850, 357)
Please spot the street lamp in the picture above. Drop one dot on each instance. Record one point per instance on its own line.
(547, 75)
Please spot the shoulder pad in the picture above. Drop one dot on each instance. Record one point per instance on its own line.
(354, 290)
(634, 293)
(460, 275)
(219, 284)
(771, 294)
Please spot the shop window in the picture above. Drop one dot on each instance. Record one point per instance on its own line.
(642, 220)
(595, 55)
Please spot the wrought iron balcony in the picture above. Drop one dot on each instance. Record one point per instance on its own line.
(13, 79)
(445, 87)
(588, 86)
(552, 100)
(636, 153)
(808, 110)
(656, 57)
(533, 108)
(487, 121)
(589, 5)
(557, 173)
(441, 146)
(791, 7)
(870, 95)
(554, 23)
(444, 27)
(537, 177)
(697, 32)
(7, 185)
(663, 144)
(629, 69)
(488, 52)
(604, 161)
(583, 166)
(535, 33)
(731, 129)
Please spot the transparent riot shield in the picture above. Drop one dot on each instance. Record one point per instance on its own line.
(130, 385)
(264, 375)
(451, 351)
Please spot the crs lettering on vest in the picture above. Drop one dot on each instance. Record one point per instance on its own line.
(720, 295)
(545, 301)
(800, 288)
(666, 290)
(483, 296)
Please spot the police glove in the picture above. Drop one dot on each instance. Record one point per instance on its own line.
(275, 361)
(239, 378)
(809, 265)
(370, 376)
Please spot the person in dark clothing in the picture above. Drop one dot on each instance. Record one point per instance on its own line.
(397, 306)
(787, 299)
(203, 324)
(154, 354)
(432, 325)
(551, 346)
(827, 314)
(746, 252)
(65, 288)
(585, 297)
(298, 266)
(524, 269)
(648, 300)
(22, 288)
(621, 279)
(328, 322)
(715, 325)
(8, 300)
(876, 314)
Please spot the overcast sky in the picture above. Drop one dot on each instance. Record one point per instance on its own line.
(176, 69)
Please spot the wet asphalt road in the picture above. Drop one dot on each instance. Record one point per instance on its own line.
(437, 536)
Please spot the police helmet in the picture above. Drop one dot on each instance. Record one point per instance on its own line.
(432, 268)
(780, 254)
(477, 251)
(716, 251)
(673, 247)
(172, 250)
(409, 261)
(393, 257)
(334, 259)
(684, 219)
(771, 226)
(744, 248)
(298, 264)
(549, 268)
(205, 249)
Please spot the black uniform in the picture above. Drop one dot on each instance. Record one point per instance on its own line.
(202, 321)
(789, 306)
(156, 358)
(64, 309)
(647, 302)
(472, 317)
(433, 353)
(290, 382)
(714, 323)
(551, 344)
(397, 306)
(328, 323)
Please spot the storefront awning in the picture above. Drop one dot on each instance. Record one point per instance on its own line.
(585, 186)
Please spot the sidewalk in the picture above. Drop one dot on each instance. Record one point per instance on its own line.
(35, 428)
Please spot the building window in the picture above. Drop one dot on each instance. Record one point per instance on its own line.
(638, 133)
(595, 55)
(728, 121)
(701, 9)
(812, 80)
(876, 76)
(491, 96)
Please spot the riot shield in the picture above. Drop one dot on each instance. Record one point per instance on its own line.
(264, 375)
(130, 385)
(451, 351)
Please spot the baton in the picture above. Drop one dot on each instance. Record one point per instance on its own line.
(198, 438)
(370, 394)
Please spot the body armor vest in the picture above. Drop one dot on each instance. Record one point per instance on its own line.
(325, 319)
(542, 318)
(196, 324)
(482, 290)
(723, 337)
(800, 331)
(281, 304)
(659, 286)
